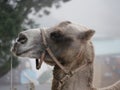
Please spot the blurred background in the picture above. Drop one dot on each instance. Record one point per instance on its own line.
(17, 15)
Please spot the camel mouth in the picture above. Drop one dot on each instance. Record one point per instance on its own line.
(20, 53)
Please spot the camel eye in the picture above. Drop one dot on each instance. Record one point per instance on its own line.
(57, 36)
(22, 38)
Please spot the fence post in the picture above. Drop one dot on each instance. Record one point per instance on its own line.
(32, 86)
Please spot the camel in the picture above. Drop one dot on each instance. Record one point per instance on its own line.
(66, 46)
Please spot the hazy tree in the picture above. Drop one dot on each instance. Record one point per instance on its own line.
(12, 15)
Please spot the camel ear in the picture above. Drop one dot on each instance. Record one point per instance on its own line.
(86, 35)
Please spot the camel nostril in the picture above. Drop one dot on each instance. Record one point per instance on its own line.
(14, 47)
(22, 38)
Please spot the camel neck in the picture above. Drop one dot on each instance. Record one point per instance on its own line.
(81, 80)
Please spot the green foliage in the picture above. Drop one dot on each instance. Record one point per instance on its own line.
(8, 29)
(12, 14)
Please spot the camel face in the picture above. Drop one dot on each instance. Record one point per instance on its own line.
(65, 41)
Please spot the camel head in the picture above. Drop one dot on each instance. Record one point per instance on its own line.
(65, 41)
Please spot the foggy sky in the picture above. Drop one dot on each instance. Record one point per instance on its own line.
(100, 15)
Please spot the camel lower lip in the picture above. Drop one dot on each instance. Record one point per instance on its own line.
(20, 53)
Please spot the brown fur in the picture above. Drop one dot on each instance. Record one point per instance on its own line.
(66, 40)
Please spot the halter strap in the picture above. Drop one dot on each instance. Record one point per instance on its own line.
(68, 73)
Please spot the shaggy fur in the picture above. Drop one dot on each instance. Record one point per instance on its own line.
(65, 40)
